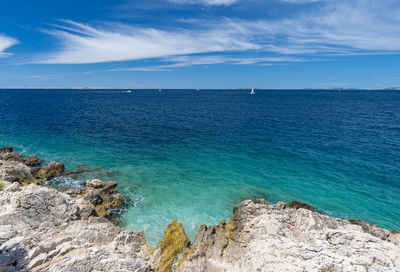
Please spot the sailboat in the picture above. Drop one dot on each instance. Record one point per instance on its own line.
(159, 89)
(252, 91)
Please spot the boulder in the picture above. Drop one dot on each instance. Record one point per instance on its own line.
(51, 170)
(104, 197)
(31, 161)
(16, 168)
(16, 172)
(94, 184)
(7, 154)
(280, 205)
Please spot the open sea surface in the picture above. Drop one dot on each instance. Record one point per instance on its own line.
(193, 155)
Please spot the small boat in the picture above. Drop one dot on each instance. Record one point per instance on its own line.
(252, 91)
(159, 90)
(128, 91)
(197, 89)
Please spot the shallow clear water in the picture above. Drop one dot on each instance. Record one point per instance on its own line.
(194, 155)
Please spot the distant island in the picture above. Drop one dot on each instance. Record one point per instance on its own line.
(393, 89)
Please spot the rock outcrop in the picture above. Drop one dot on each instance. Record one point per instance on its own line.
(174, 246)
(261, 237)
(42, 229)
(51, 170)
(7, 154)
(102, 195)
(11, 171)
(16, 168)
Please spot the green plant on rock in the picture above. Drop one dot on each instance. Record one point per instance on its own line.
(1, 185)
(330, 268)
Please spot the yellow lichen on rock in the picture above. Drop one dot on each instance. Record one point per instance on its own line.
(230, 229)
(51, 170)
(174, 245)
(103, 195)
(111, 201)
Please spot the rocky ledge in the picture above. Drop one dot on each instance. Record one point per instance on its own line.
(15, 168)
(263, 237)
(43, 229)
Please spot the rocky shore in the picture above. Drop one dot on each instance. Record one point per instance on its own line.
(44, 229)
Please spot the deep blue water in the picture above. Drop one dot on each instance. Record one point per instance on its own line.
(194, 155)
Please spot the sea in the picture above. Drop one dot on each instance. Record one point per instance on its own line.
(193, 155)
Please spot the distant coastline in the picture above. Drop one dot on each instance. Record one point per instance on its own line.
(216, 89)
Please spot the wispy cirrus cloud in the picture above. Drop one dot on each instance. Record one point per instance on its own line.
(185, 61)
(301, 1)
(337, 28)
(81, 43)
(206, 2)
(5, 43)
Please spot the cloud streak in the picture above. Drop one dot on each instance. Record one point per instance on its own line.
(206, 2)
(85, 44)
(5, 43)
(337, 28)
(185, 61)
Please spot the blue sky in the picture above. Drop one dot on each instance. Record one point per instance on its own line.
(200, 43)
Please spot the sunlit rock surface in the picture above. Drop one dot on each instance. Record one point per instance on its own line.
(42, 229)
(261, 237)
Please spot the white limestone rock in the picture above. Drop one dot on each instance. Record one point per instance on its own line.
(261, 237)
(42, 229)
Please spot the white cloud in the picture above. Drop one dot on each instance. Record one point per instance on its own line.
(206, 2)
(85, 44)
(301, 1)
(184, 61)
(5, 43)
(338, 28)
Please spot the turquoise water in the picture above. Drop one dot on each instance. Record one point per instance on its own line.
(194, 155)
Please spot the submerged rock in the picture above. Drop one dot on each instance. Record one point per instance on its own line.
(79, 170)
(87, 172)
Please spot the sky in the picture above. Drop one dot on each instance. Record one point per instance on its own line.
(200, 44)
